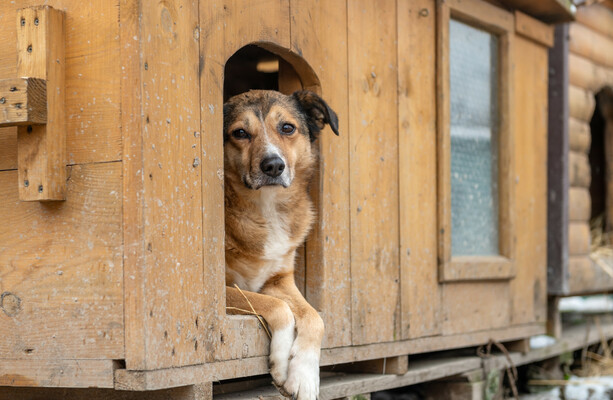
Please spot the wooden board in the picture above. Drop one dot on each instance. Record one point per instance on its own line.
(533, 29)
(328, 286)
(373, 171)
(588, 75)
(23, 101)
(420, 295)
(551, 11)
(591, 45)
(579, 172)
(56, 373)
(165, 287)
(596, 17)
(579, 136)
(580, 103)
(528, 289)
(91, 78)
(588, 276)
(578, 239)
(61, 265)
(579, 204)
(201, 391)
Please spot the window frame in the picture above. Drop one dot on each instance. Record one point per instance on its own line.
(489, 18)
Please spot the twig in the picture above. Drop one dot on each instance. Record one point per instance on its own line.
(253, 312)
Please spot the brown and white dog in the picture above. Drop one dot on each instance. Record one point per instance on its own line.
(269, 160)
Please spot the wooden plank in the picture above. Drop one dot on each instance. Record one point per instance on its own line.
(373, 171)
(588, 75)
(483, 14)
(579, 135)
(588, 276)
(61, 264)
(580, 103)
(530, 77)
(170, 286)
(533, 29)
(56, 373)
(328, 277)
(156, 379)
(579, 205)
(596, 17)
(192, 392)
(398, 365)
(579, 172)
(578, 239)
(550, 11)
(476, 268)
(42, 148)
(23, 101)
(417, 167)
(591, 45)
(557, 163)
(92, 77)
(462, 314)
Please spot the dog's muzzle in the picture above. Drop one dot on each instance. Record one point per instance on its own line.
(272, 166)
(273, 172)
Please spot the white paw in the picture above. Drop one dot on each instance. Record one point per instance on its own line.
(303, 375)
(280, 348)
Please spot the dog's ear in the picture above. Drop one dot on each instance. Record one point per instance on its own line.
(317, 113)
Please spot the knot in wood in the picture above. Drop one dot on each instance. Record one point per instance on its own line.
(10, 304)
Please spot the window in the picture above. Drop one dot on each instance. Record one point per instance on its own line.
(475, 142)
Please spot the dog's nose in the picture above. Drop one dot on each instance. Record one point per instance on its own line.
(272, 166)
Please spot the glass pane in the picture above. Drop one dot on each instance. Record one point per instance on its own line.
(473, 72)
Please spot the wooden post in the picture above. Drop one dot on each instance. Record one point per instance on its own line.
(42, 148)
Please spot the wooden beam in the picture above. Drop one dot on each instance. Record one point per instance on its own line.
(57, 373)
(23, 101)
(591, 45)
(581, 103)
(42, 148)
(533, 29)
(579, 135)
(597, 17)
(550, 11)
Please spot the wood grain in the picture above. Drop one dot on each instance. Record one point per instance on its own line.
(588, 276)
(417, 168)
(62, 263)
(373, 162)
(23, 101)
(591, 45)
(56, 373)
(533, 29)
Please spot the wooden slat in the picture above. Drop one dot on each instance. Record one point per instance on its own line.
(591, 45)
(23, 101)
(328, 286)
(579, 204)
(533, 29)
(42, 148)
(579, 172)
(579, 136)
(581, 103)
(597, 17)
(528, 291)
(550, 11)
(374, 171)
(585, 74)
(92, 78)
(56, 373)
(578, 239)
(476, 268)
(588, 276)
(483, 14)
(200, 391)
(166, 297)
(417, 167)
(61, 264)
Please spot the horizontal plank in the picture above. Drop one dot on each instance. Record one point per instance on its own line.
(579, 135)
(533, 29)
(23, 101)
(590, 275)
(172, 377)
(482, 14)
(591, 45)
(550, 11)
(474, 268)
(578, 239)
(597, 17)
(581, 103)
(586, 74)
(579, 171)
(57, 373)
(579, 204)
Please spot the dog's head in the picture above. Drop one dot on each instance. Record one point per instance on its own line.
(268, 135)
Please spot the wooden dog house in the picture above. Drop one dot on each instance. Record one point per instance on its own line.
(581, 128)
(111, 271)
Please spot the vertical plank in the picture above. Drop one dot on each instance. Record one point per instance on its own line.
(528, 289)
(417, 167)
(170, 271)
(328, 277)
(373, 162)
(42, 148)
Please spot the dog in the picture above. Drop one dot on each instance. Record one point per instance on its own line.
(269, 160)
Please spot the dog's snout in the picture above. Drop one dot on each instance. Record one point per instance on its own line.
(272, 166)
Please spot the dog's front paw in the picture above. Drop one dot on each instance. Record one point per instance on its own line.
(303, 376)
(280, 348)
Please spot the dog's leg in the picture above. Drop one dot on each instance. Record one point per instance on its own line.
(280, 320)
(303, 375)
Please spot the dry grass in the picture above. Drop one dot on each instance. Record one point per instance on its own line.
(601, 250)
(598, 363)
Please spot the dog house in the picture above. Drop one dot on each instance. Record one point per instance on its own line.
(432, 203)
(580, 174)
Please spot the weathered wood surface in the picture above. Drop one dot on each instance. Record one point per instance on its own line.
(579, 136)
(533, 29)
(579, 172)
(596, 17)
(591, 45)
(551, 11)
(92, 76)
(588, 276)
(56, 373)
(578, 239)
(373, 171)
(200, 391)
(41, 150)
(530, 76)
(580, 103)
(61, 275)
(586, 74)
(579, 204)
(417, 168)
(23, 101)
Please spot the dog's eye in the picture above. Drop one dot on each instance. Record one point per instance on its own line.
(240, 134)
(287, 129)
